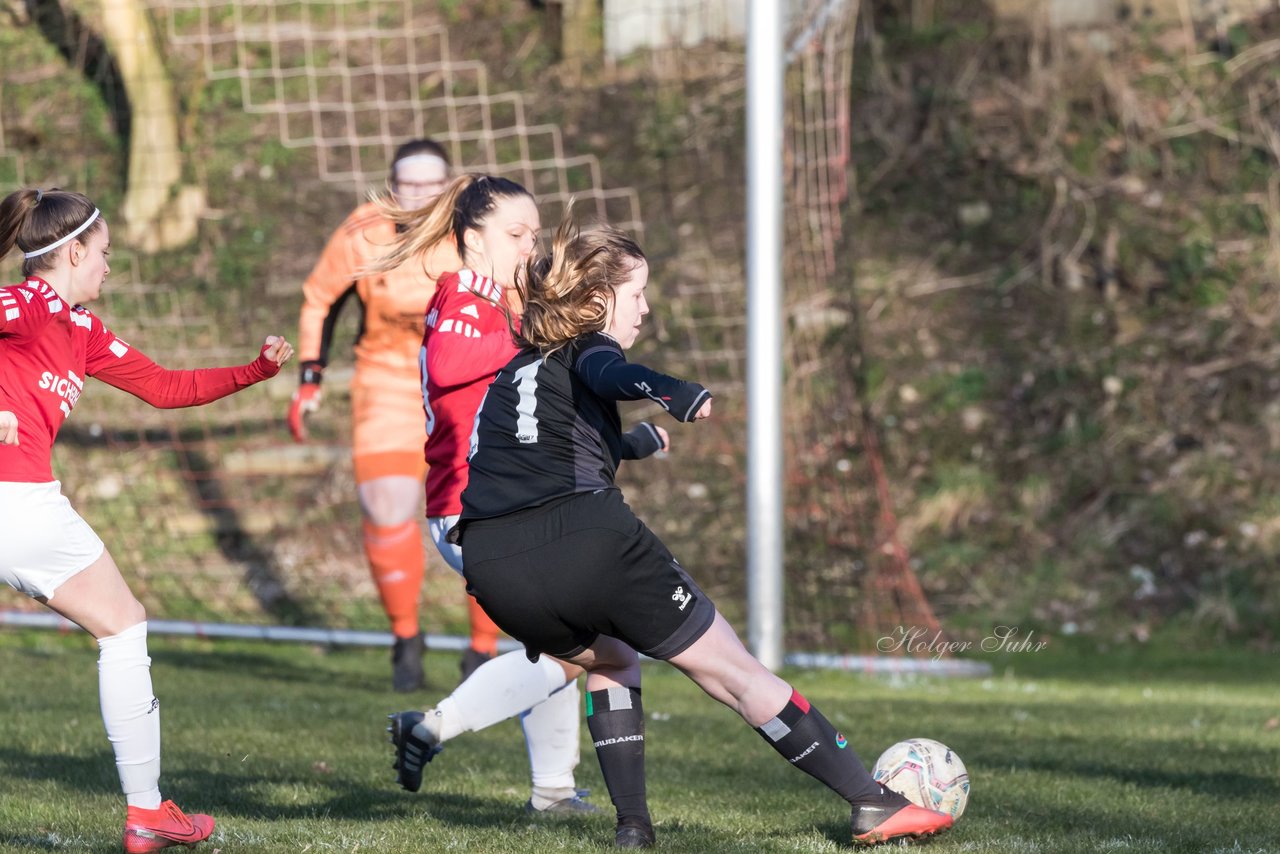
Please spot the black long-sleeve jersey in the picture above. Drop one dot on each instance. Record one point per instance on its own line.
(549, 426)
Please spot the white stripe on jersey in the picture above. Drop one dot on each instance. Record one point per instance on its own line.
(466, 330)
(471, 282)
(80, 319)
(118, 348)
(11, 314)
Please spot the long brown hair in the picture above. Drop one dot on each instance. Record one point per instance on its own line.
(568, 293)
(464, 204)
(32, 219)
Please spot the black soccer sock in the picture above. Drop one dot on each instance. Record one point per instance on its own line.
(615, 718)
(808, 741)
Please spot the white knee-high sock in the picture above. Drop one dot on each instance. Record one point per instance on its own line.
(499, 689)
(551, 733)
(131, 713)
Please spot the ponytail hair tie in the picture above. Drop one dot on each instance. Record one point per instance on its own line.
(39, 195)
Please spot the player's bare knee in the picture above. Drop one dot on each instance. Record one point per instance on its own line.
(389, 500)
(619, 656)
(571, 671)
(612, 660)
(128, 615)
(384, 511)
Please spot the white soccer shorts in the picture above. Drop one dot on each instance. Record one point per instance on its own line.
(438, 527)
(43, 541)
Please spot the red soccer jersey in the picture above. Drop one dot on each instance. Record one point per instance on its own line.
(466, 342)
(47, 348)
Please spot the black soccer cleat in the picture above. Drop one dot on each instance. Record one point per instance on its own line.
(415, 747)
(406, 664)
(634, 832)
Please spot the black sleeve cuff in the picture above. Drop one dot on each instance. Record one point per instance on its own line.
(641, 441)
(312, 372)
(698, 400)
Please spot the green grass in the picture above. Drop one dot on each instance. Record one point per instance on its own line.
(1069, 749)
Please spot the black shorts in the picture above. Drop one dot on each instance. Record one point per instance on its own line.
(556, 577)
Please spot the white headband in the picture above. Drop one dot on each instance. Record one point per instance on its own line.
(73, 235)
(422, 158)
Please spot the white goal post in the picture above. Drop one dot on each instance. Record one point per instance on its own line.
(765, 499)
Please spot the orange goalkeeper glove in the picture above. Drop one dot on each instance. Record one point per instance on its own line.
(305, 399)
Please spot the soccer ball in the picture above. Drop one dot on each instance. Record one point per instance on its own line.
(925, 772)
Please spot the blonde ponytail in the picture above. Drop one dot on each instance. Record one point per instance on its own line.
(423, 228)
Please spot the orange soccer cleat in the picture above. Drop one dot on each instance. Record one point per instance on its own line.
(872, 825)
(163, 827)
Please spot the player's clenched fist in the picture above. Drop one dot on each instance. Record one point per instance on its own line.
(8, 428)
(277, 349)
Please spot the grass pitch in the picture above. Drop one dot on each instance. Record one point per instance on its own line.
(1069, 750)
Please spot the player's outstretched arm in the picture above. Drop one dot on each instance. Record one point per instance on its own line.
(607, 373)
(8, 428)
(124, 367)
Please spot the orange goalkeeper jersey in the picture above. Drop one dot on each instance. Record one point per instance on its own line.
(394, 302)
